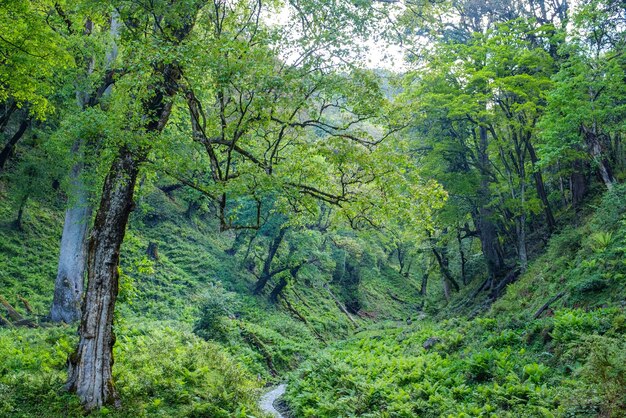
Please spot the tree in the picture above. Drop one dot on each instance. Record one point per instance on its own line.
(68, 287)
(474, 101)
(585, 109)
(90, 366)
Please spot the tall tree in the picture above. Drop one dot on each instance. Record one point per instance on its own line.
(90, 366)
(585, 109)
(69, 283)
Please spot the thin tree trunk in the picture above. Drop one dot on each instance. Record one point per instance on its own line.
(597, 151)
(340, 305)
(462, 258)
(446, 288)
(424, 284)
(442, 260)
(8, 148)
(401, 256)
(266, 274)
(9, 108)
(488, 236)
(521, 243)
(606, 174)
(578, 183)
(17, 224)
(521, 232)
(541, 188)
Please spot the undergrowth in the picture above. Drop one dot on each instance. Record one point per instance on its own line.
(552, 346)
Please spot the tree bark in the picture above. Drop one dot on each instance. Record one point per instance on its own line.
(521, 242)
(442, 261)
(541, 188)
(578, 183)
(278, 289)
(90, 367)
(266, 273)
(446, 288)
(17, 224)
(8, 148)
(9, 108)
(488, 236)
(596, 144)
(69, 283)
(424, 284)
(68, 286)
(462, 258)
(521, 232)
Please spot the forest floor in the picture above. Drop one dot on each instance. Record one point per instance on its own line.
(514, 359)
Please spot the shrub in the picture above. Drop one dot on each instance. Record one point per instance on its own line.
(216, 306)
(571, 325)
(600, 383)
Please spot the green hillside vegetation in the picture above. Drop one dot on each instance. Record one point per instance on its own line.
(191, 339)
(518, 359)
(331, 208)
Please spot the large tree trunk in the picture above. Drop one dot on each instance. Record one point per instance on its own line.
(278, 289)
(90, 367)
(578, 183)
(68, 286)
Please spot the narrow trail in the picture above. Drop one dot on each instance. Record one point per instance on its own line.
(267, 401)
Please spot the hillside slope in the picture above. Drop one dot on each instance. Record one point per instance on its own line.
(553, 345)
(186, 299)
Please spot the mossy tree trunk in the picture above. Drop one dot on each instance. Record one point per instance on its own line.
(69, 283)
(68, 286)
(90, 367)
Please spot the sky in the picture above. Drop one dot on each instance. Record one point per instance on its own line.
(380, 54)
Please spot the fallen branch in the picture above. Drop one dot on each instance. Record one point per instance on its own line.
(300, 298)
(26, 323)
(5, 322)
(477, 291)
(397, 299)
(256, 342)
(340, 305)
(298, 315)
(547, 304)
(27, 306)
(13, 314)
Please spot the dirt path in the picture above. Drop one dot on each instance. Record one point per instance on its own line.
(267, 401)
